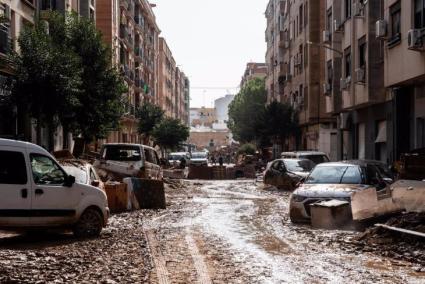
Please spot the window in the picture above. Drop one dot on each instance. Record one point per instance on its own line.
(335, 175)
(329, 73)
(419, 14)
(12, 168)
(352, 176)
(301, 18)
(395, 21)
(362, 53)
(329, 23)
(347, 62)
(46, 171)
(347, 9)
(121, 153)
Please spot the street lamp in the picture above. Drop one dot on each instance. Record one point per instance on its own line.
(326, 46)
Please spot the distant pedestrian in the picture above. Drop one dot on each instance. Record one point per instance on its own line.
(220, 161)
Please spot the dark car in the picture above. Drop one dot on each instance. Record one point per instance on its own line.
(287, 173)
(338, 181)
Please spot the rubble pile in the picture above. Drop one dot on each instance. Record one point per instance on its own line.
(395, 244)
(120, 255)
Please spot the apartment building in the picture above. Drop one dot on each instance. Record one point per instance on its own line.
(401, 30)
(254, 70)
(129, 27)
(85, 8)
(354, 85)
(166, 78)
(295, 73)
(15, 14)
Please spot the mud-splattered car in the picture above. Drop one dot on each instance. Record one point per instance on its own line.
(287, 173)
(338, 181)
(83, 172)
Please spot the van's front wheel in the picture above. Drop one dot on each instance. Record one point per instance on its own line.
(89, 225)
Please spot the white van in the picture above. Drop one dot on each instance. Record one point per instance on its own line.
(35, 192)
(129, 160)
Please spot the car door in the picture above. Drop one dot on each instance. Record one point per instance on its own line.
(15, 187)
(53, 203)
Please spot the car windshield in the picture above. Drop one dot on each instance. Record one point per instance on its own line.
(317, 159)
(175, 157)
(79, 174)
(122, 153)
(299, 165)
(335, 175)
(199, 155)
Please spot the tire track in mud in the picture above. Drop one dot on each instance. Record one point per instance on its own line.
(158, 259)
(198, 260)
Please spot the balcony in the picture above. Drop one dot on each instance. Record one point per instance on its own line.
(6, 42)
(139, 21)
(125, 35)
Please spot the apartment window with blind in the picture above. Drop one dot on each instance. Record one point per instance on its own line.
(347, 62)
(362, 53)
(419, 14)
(395, 23)
(347, 9)
(329, 73)
(329, 22)
(301, 18)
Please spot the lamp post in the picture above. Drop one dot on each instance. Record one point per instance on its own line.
(325, 46)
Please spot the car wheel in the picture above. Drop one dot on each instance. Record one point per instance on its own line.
(89, 225)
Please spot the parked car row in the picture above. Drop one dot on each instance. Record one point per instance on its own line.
(194, 159)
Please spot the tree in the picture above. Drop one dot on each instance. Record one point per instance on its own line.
(246, 111)
(48, 77)
(100, 104)
(149, 116)
(169, 133)
(279, 121)
(65, 76)
(248, 149)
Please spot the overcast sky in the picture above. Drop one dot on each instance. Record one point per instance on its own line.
(213, 40)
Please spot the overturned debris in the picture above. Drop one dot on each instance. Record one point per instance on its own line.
(405, 231)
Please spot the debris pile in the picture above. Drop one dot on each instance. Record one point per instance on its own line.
(396, 244)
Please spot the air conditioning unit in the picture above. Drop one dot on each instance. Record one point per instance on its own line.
(337, 26)
(360, 75)
(381, 29)
(414, 40)
(327, 89)
(326, 36)
(343, 84)
(358, 9)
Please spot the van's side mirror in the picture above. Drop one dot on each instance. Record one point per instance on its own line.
(69, 181)
(95, 183)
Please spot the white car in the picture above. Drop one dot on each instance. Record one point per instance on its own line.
(36, 192)
(199, 159)
(129, 160)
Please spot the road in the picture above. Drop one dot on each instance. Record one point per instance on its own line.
(211, 232)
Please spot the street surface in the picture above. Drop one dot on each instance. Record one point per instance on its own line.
(211, 232)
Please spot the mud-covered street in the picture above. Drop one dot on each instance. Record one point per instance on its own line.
(211, 232)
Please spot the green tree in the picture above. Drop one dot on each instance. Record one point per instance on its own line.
(169, 133)
(246, 111)
(247, 148)
(279, 121)
(149, 115)
(100, 104)
(48, 77)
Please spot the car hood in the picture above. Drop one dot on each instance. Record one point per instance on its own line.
(301, 174)
(329, 190)
(198, 160)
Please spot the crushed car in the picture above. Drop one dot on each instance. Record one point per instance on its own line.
(83, 172)
(287, 173)
(357, 182)
(120, 160)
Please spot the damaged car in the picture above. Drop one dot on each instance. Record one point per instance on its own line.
(287, 173)
(341, 181)
(83, 172)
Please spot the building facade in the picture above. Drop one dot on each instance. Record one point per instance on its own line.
(254, 70)
(354, 83)
(221, 106)
(15, 14)
(129, 27)
(401, 31)
(202, 117)
(295, 73)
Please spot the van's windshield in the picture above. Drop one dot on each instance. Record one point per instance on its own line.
(121, 153)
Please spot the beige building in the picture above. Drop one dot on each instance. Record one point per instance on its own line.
(354, 84)
(401, 31)
(202, 117)
(129, 27)
(254, 70)
(209, 139)
(295, 73)
(173, 85)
